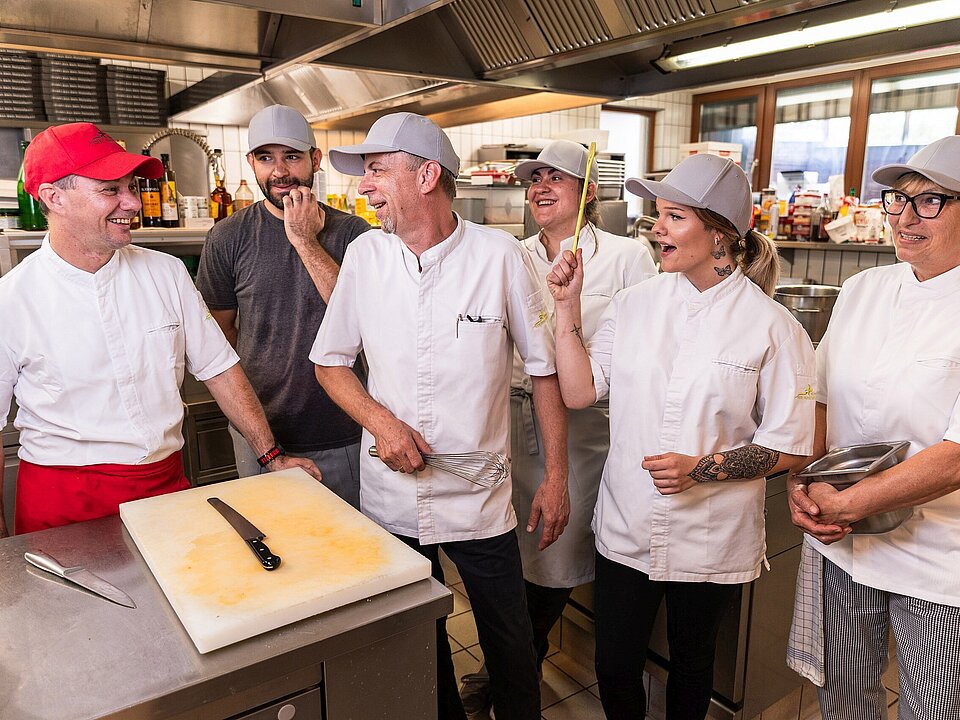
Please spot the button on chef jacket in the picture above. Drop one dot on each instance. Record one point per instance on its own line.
(439, 343)
(696, 373)
(97, 358)
(889, 369)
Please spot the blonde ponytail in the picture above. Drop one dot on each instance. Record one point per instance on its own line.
(754, 253)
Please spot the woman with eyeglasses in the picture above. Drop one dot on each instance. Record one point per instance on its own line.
(889, 369)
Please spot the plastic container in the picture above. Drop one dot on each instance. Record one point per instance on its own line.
(843, 229)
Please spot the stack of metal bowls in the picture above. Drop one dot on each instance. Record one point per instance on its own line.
(843, 467)
(810, 304)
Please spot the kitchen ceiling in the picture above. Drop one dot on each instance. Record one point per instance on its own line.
(343, 63)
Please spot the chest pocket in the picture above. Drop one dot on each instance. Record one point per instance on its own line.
(736, 382)
(164, 346)
(935, 382)
(479, 340)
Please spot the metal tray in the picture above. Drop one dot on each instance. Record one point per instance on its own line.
(848, 465)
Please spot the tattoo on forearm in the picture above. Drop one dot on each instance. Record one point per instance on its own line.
(578, 331)
(744, 463)
(719, 252)
(723, 271)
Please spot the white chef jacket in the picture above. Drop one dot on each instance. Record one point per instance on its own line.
(889, 369)
(439, 344)
(695, 373)
(611, 263)
(95, 360)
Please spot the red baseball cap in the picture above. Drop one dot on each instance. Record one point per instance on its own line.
(81, 149)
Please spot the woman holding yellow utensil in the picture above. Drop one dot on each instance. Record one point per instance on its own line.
(711, 390)
(559, 180)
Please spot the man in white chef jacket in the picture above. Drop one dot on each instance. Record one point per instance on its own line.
(95, 339)
(436, 303)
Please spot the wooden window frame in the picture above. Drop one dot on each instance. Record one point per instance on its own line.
(862, 81)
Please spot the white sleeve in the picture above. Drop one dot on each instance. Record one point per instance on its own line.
(528, 321)
(8, 380)
(207, 351)
(338, 339)
(600, 348)
(786, 397)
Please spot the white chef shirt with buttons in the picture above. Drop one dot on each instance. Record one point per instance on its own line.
(610, 263)
(96, 360)
(439, 345)
(696, 373)
(889, 369)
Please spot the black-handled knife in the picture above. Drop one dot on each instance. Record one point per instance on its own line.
(249, 532)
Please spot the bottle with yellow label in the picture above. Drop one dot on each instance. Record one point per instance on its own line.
(169, 212)
(150, 200)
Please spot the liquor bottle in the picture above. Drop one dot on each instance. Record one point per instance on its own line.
(221, 204)
(820, 219)
(169, 212)
(150, 200)
(31, 218)
(243, 197)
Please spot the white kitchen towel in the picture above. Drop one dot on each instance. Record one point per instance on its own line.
(805, 645)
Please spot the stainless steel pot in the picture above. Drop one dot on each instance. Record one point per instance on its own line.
(810, 304)
(843, 467)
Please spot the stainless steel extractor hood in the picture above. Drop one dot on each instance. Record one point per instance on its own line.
(344, 63)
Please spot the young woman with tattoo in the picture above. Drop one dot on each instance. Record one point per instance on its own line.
(706, 377)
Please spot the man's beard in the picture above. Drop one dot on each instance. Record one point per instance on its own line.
(278, 202)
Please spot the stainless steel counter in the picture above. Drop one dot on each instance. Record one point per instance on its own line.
(66, 653)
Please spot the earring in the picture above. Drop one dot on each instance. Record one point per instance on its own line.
(716, 240)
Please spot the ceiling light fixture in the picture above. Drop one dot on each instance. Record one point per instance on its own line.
(811, 35)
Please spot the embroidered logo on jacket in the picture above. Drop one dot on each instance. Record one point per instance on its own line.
(808, 393)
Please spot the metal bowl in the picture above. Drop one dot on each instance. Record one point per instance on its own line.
(843, 467)
(812, 305)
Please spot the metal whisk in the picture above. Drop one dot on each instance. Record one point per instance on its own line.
(481, 467)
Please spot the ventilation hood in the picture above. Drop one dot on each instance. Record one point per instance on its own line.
(345, 63)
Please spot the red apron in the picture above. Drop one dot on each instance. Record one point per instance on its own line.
(53, 495)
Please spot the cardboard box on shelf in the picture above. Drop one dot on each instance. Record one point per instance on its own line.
(734, 151)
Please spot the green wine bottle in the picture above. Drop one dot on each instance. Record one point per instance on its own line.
(31, 217)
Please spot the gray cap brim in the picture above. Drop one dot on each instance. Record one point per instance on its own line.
(652, 189)
(889, 174)
(285, 141)
(349, 158)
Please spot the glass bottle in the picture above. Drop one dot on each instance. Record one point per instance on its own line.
(31, 217)
(221, 204)
(150, 200)
(243, 197)
(820, 219)
(169, 212)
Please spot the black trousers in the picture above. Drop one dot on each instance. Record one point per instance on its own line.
(492, 576)
(626, 604)
(545, 605)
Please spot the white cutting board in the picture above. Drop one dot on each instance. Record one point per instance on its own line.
(331, 555)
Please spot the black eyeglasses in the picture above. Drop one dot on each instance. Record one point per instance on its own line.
(926, 205)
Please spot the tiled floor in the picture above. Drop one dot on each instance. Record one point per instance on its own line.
(569, 689)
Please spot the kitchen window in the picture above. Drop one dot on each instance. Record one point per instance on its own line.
(810, 137)
(732, 121)
(907, 113)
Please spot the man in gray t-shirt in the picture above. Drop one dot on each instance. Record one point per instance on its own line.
(275, 265)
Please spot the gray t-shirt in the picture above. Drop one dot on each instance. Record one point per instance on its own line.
(249, 265)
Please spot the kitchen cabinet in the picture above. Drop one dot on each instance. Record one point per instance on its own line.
(68, 654)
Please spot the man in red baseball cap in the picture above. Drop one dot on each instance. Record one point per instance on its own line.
(96, 336)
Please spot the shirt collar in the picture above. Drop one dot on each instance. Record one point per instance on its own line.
(75, 274)
(942, 284)
(442, 249)
(714, 294)
(589, 243)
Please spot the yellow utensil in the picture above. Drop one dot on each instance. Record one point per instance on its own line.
(583, 197)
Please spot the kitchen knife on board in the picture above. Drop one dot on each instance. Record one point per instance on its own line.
(80, 576)
(249, 532)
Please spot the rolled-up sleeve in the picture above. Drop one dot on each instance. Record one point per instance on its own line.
(787, 396)
(207, 351)
(528, 320)
(338, 339)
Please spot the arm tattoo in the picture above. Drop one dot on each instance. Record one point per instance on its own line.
(578, 331)
(723, 271)
(719, 252)
(744, 463)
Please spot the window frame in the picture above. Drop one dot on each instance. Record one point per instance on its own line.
(862, 81)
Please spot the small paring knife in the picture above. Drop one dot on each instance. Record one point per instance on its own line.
(249, 532)
(80, 576)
